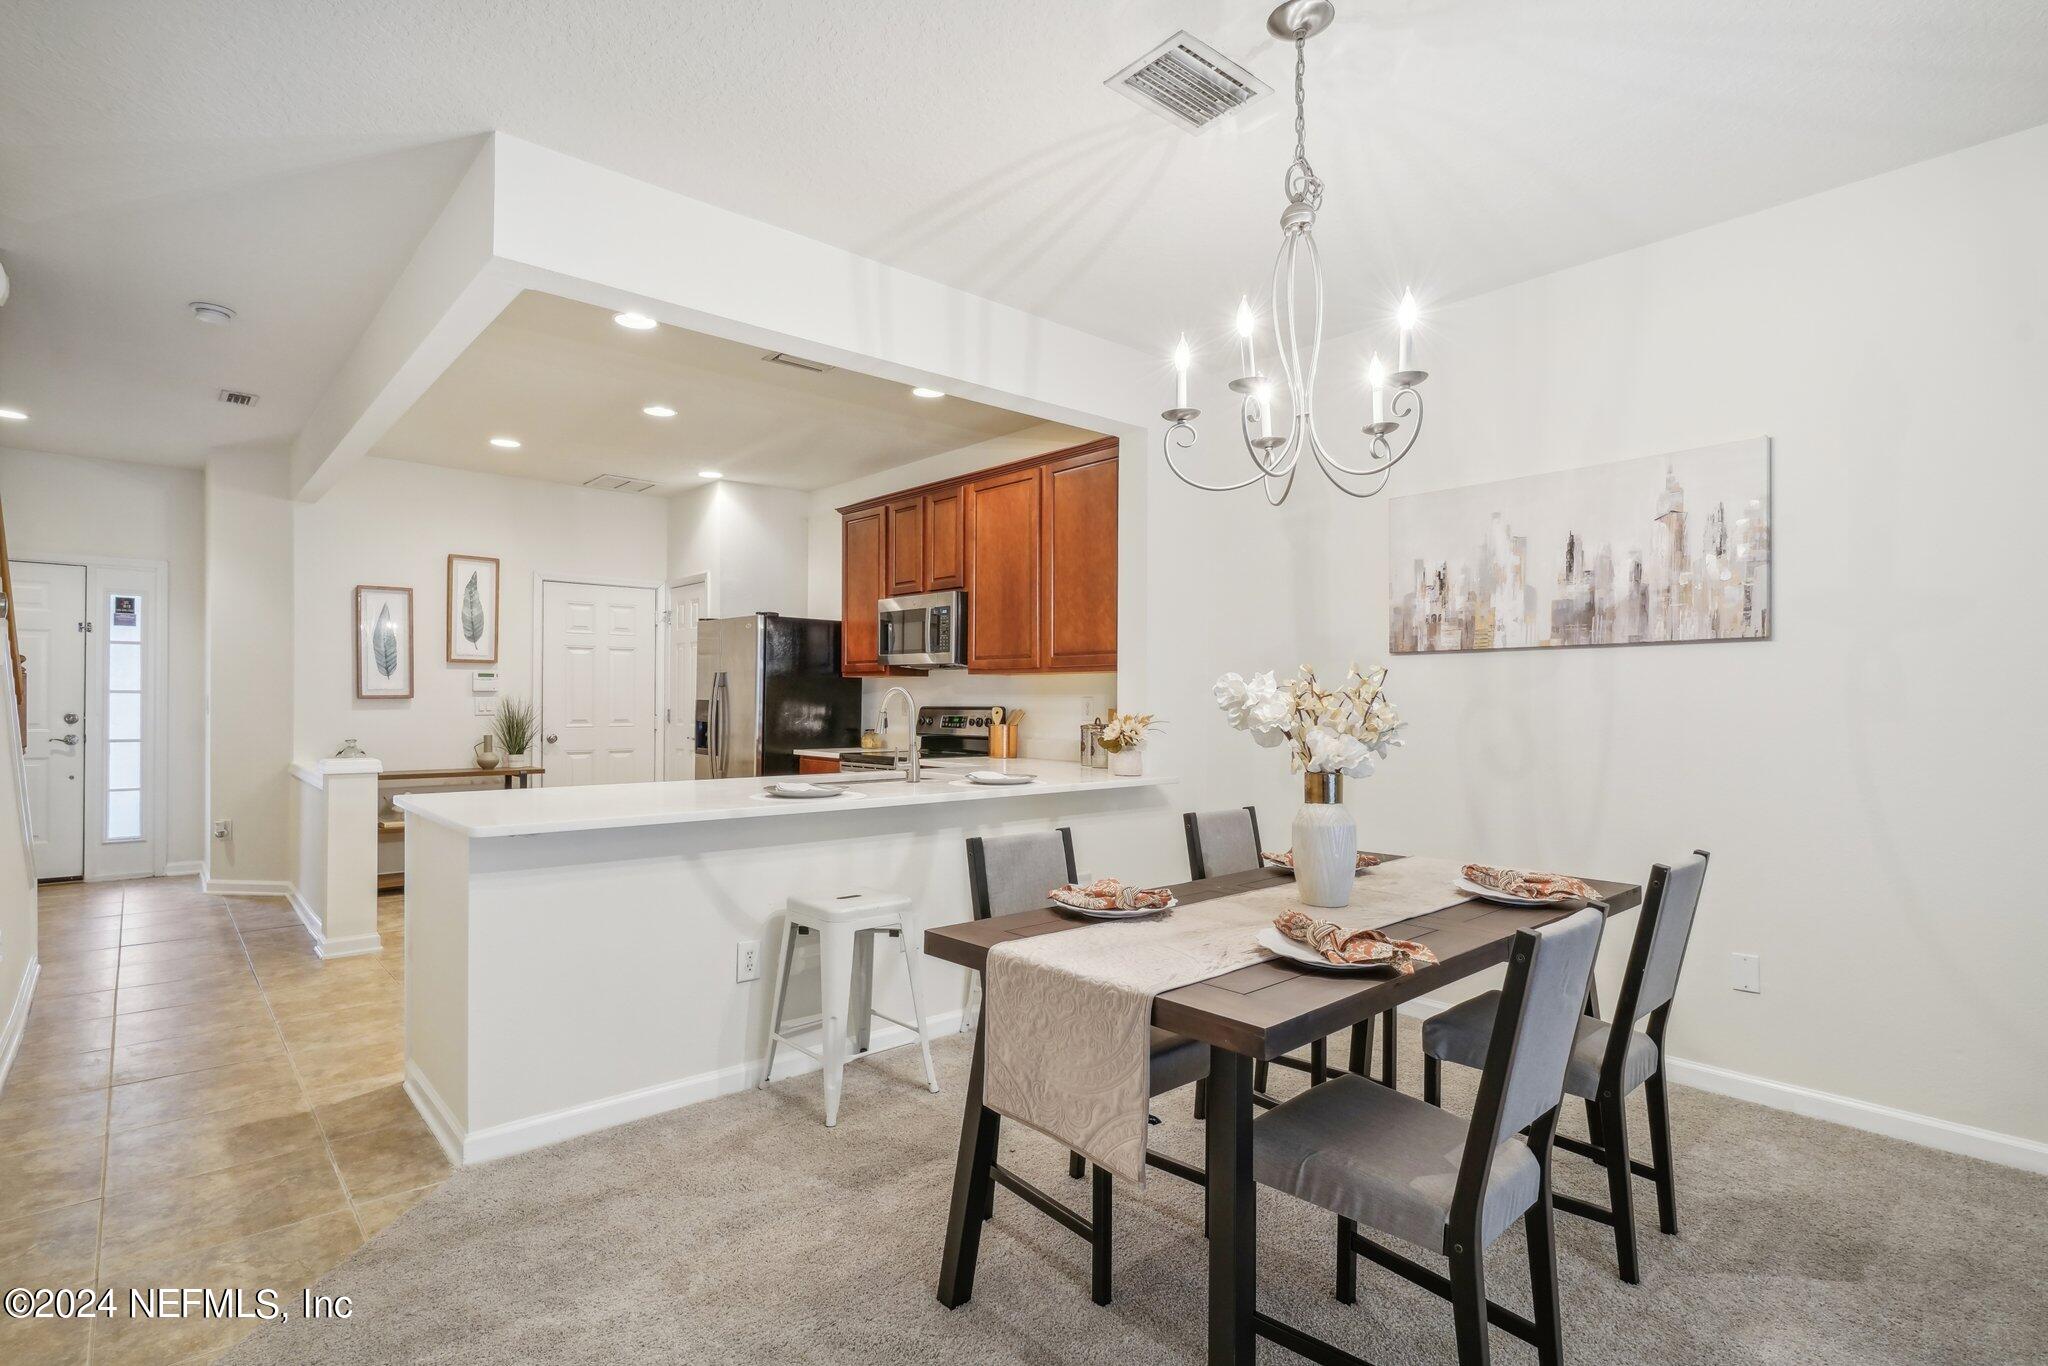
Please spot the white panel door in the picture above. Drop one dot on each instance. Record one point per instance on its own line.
(686, 606)
(598, 650)
(49, 606)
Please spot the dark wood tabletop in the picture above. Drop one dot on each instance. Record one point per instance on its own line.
(1272, 1008)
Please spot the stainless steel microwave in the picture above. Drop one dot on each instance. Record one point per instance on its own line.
(924, 630)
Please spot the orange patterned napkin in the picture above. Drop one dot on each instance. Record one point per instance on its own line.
(1109, 894)
(1535, 886)
(1340, 945)
(1286, 860)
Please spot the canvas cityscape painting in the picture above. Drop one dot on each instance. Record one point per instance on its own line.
(1658, 549)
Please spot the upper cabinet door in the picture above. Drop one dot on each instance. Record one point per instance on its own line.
(906, 547)
(945, 564)
(1005, 548)
(1080, 576)
(861, 586)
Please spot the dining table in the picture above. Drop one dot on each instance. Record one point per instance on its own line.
(1248, 1015)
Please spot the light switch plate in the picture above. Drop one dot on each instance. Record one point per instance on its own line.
(1746, 972)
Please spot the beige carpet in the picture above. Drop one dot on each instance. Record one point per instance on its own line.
(742, 1232)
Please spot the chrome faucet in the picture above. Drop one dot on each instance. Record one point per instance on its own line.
(915, 744)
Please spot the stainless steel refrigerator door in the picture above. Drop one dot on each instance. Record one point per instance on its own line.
(729, 675)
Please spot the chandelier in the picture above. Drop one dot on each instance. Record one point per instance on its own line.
(1296, 338)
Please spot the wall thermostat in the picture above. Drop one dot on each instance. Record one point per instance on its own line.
(484, 681)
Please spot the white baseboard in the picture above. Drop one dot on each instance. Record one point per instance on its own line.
(2007, 1150)
(465, 1147)
(243, 887)
(17, 1020)
(190, 867)
(345, 946)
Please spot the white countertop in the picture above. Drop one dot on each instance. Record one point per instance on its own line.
(556, 810)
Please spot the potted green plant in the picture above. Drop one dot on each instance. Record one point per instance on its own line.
(514, 726)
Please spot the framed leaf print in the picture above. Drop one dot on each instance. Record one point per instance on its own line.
(472, 609)
(383, 641)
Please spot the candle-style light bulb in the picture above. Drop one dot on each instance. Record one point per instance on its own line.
(1406, 316)
(1265, 392)
(1376, 376)
(1181, 359)
(1247, 328)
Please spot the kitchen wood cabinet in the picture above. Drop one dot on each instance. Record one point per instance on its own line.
(1005, 557)
(862, 542)
(1078, 585)
(811, 763)
(1034, 543)
(906, 546)
(945, 563)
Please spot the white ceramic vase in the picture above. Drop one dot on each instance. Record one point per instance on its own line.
(1325, 843)
(1127, 763)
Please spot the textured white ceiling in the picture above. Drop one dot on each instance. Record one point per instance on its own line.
(287, 156)
(568, 383)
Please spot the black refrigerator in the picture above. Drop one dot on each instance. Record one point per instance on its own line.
(767, 686)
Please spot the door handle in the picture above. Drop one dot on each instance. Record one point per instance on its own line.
(72, 718)
(549, 738)
(67, 739)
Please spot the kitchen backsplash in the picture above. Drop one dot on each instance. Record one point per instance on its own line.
(1054, 705)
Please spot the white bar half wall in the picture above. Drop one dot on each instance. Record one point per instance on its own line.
(334, 881)
(557, 984)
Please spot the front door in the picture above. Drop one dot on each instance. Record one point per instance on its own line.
(686, 606)
(49, 606)
(597, 684)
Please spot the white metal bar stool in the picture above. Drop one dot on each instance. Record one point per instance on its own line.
(847, 924)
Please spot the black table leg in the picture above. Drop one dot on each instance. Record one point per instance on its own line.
(972, 1187)
(1233, 1206)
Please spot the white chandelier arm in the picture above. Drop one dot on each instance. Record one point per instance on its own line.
(1385, 462)
(1186, 442)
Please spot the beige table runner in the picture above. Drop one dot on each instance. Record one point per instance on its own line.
(1069, 1015)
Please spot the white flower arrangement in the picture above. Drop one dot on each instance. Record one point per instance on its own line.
(1342, 730)
(1126, 730)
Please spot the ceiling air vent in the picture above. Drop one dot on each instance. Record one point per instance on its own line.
(796, 362)
(1188, 83)
(238, 398)
(619, 483)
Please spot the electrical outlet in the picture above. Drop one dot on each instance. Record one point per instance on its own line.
(223, 830)
(1746, 971)
(748, 967)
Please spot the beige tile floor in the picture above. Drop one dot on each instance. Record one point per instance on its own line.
(199, 1101)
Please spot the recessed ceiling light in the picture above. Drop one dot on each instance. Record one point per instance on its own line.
(923, 392)
(639, 322)
(658, 410)
(13, 414)
(505, 443)
(211, 314)
(709, 474)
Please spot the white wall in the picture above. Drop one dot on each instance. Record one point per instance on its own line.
(389, 522)
(249, 684)
(750, 540)
(69, 505)
(17, 881)
(1054, 705)
(1860, 778)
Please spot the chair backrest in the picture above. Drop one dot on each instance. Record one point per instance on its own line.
(1222, 842)
(1008, 873)
(1669, 904)
(1533, 1032)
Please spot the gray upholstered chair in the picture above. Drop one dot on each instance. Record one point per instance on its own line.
(1223, 842)
(1607, 1064)
(1007, 873)
(1378, 1158)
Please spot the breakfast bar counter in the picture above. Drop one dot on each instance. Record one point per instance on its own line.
(580, 957)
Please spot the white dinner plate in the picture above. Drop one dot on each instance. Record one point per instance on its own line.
(797, 792)
(1287, 869)
(1115, 913)
(1470, 888)
(1271, 938)
(988, 777)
